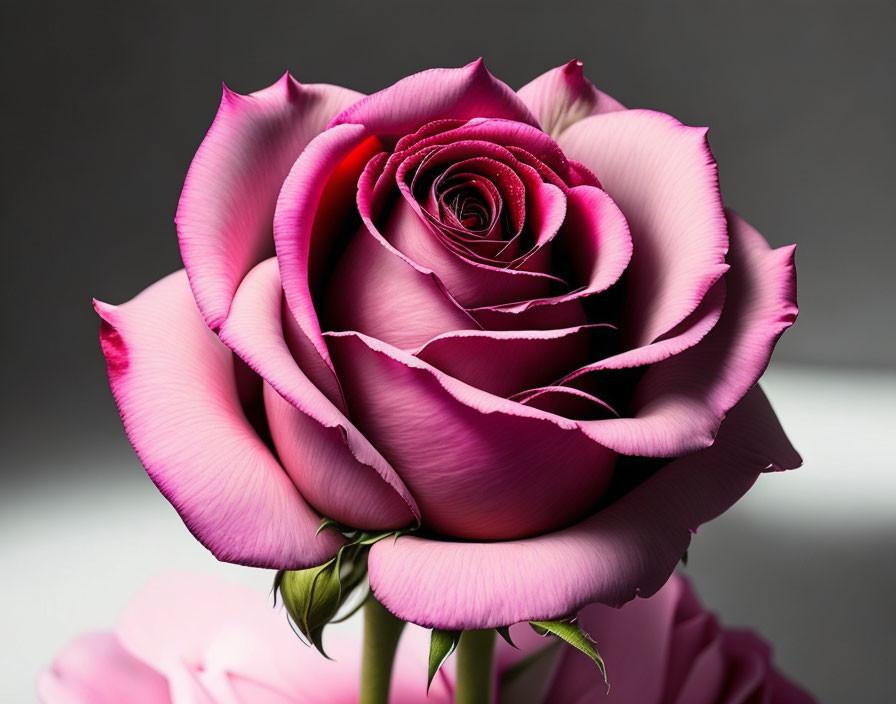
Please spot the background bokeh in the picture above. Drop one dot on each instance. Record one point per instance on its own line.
(105, 103)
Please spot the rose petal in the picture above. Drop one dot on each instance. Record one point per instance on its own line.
(596, 242)
(334, 466)
(439, 93)
(507, 362)
(95, 669)
(628, 548)
(175, 387)
(295, 218)
(517, 137)
(225, 211)
(468, 282)
(694, 328)
(567, 402)
(563, 96)
(478, 465)
(636, 644)
(664, 178)
(229, 638)
(552, 315)
(377, 291)
(203, 633)
(680, 402)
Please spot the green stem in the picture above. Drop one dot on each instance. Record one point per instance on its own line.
(381, 633)
(475, 662)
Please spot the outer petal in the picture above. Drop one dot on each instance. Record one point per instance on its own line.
(95, 669)
(174, 384)
(627, 549)
(439, 93)
(563, 96)
(680, 401)
(226, 209)
(664, 178)
(334, 466)
(478, 465)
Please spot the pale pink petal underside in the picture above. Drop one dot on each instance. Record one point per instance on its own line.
(175, 387)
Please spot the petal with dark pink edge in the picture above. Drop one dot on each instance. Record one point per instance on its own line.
(629, 548)
(478, 465)
(95, 669)
(227, 206)
(376, 290)
(663, 176)
(567, 402)
(507, 362)
(680, 402)
(439, 93)
(175, 387)
(295, 219)
(469, 283)
(563, 96)
(597, 245)
(334, 466)
(694, 328)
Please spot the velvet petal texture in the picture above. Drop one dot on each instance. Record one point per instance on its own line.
(457, 93)
(628, 548)
(378, 291)
(663, 176)
(175, 387)
(508, 362)
(294, 221)
(680, 402)
(227, 205)
(478, 465)
(563, 96)
(334, 466)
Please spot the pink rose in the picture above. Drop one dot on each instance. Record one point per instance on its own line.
(191, 639)
(198, 639)
(523, 320)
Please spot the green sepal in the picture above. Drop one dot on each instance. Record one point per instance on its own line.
(684, 558)
(312, 597)
(504, 632)
(368, 539)
(328, 523)
(570, 632)
(441, 645)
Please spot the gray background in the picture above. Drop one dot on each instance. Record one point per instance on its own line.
(104, 105)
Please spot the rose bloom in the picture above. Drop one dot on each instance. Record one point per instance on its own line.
(192, 639)
(519, 322)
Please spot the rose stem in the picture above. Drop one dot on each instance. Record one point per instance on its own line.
(381, 633)
(475, 660)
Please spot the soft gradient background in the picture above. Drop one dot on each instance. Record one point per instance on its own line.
(105, 103)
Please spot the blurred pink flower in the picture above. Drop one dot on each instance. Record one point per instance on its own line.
(199, 640)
